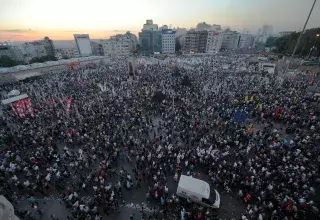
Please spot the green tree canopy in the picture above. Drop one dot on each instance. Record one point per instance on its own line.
(287, 43)
(6, 61)
(271, 41)
(43, 59)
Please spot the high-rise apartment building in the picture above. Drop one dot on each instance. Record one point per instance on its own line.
(150, 39)
(267, 30)
(150, 42)
(264, 33)
(150, 26)
(230, 40)
(196, 41)
(168, 41)
(83, 44)
(214, 41)
(246, 41)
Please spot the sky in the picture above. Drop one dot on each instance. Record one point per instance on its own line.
(24, 20)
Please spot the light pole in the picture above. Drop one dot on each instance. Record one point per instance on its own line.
(314, 45)
(312, 48)
(299, 39)
(318, 48)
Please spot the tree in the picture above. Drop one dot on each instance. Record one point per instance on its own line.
(43, 59)
(6, 61)
(271, 41)
(65, 57)
(286, 44)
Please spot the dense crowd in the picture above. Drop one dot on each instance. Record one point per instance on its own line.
(268, 160)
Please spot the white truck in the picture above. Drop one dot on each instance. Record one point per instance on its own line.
(198, 191)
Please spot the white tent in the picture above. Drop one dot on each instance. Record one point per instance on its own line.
(14, 99)
(14, 93)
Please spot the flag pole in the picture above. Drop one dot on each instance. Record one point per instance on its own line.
(299, 39)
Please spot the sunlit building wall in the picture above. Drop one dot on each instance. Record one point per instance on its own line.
(83, 44)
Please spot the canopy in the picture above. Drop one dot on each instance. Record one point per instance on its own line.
(14, 99)
(14, 93)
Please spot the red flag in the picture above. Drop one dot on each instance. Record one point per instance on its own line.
(14, 109)
(312, 78)
(20, 108)
(27, 103)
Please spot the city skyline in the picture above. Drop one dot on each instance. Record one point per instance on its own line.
(34, 19)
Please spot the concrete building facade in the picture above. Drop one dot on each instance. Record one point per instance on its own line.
(246, 41)
(214, 41)
(168, 41)
(150, 26)
(97, 49)
(83, 44)
(285, 33)
(13, 52)
(34, 49)
(230, 40)
(196, 41)
(117, 45)
(150, 42)
(66, 53)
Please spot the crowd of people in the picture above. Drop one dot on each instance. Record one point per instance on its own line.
(97, 134)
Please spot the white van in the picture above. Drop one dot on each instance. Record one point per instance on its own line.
(198, 191)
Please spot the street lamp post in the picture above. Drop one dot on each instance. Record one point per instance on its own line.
(299, 39)
(318, 48)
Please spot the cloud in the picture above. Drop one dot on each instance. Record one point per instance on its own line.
(18, 30)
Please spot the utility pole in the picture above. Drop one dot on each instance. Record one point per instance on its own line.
(299, 39)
